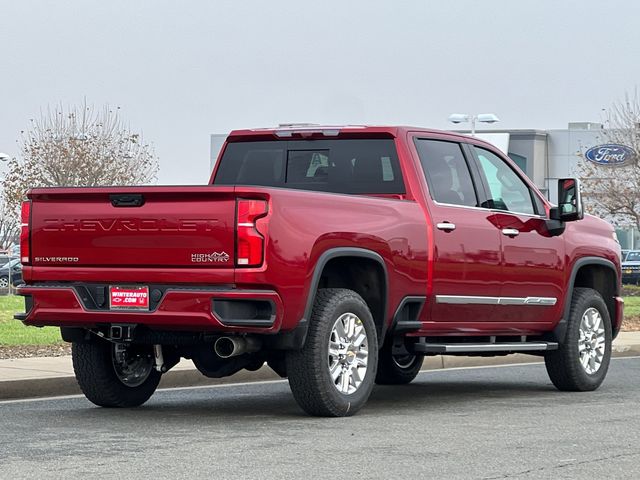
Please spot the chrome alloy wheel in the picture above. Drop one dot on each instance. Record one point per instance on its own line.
(348, 353)
(131, 369)
(591, 344)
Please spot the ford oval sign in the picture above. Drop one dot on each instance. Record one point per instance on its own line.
(610, 154)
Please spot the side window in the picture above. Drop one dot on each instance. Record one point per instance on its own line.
(447, 172)
(507, 190)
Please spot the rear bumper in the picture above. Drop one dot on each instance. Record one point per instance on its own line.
(183, 308)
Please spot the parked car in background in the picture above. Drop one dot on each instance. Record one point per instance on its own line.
(11, 272)
(4, 258)
(631, 267)
(9, 253)
(623, 255)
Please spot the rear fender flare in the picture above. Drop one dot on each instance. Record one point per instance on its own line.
(296, 338)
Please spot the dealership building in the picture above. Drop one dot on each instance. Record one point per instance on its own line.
(544, 155)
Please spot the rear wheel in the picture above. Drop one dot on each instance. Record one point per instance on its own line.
(115, 375)
(582, 360)
(397, 369)
(333, 374)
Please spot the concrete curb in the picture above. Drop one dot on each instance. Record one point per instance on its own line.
(66, 385)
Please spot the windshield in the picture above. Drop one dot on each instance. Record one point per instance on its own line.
(633, 257)
(11, 263)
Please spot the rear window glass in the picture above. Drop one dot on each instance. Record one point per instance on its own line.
(339, 166)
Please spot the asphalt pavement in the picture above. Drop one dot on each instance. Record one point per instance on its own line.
(53, 376)
(482, 422)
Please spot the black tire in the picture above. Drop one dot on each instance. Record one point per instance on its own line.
(395, 369)
(96, 375)
(563, 365)
(308, 368)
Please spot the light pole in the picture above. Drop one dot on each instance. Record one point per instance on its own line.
(480, 117)
(5, 158)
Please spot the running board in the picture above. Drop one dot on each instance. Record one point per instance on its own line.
(444, 348)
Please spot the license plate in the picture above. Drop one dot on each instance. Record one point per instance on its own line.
(129, 298)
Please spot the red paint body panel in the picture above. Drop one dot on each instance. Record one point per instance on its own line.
(532, 265)
(301, 229)
(154, 244)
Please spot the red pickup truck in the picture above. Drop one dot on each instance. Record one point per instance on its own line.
(340, 256)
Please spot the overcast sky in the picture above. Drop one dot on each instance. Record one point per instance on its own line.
(181, 70)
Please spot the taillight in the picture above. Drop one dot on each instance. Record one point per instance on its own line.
(25, 250)
(250, 249)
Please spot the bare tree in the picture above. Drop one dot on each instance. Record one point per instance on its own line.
(613, 191)
(9, 226)
(79, 146)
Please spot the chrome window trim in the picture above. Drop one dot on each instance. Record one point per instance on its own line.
(481, 300)
(488, 209)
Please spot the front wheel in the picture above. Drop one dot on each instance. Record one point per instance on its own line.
(333, 374)
(582, 360)
(115, 375)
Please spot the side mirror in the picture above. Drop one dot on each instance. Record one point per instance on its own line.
(570, 206)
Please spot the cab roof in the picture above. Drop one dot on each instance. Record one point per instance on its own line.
(313, 131)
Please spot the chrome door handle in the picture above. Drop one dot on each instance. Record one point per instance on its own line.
(446, 226)
(510, 232)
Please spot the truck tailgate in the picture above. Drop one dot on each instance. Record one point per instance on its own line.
(128, 227)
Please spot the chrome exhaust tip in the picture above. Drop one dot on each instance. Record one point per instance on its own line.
(227, 347)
